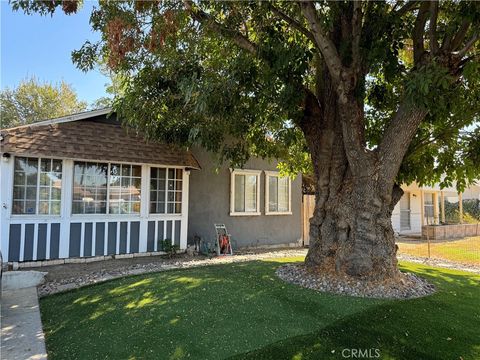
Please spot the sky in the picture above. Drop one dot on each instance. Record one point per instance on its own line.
(41, 46)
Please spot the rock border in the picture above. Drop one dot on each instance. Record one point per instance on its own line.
(410, 286)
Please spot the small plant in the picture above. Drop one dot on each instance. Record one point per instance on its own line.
(168, 247)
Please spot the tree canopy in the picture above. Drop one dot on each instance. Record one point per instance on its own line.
(34, 101)
(232, 76)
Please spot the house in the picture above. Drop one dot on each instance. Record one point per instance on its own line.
(423, 205)
(84, 186)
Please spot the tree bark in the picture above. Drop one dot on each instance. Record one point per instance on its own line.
(351, 232)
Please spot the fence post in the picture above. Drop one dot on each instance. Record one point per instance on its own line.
(428, 239)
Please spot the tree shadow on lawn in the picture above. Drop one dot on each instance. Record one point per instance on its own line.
(441, 326)
(219, 311)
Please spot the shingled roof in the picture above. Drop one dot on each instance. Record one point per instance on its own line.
(91, 139)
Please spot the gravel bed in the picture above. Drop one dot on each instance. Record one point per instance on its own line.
(408, 287)
(54, 286)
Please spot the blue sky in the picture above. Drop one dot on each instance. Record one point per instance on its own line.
(32, 45)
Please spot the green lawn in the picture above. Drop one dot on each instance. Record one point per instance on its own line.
(243, 311)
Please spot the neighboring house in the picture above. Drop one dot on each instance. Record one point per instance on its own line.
(420, 206)
(83, 186)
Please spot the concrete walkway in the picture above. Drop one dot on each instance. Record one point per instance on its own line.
(21, 328)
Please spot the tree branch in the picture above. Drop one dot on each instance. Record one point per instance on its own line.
(356, 35)
(432, 30)
(408, 6)
(397, 138)
(233, 35)
(460, 35)
(325, 46)
(468, 45)
(418, 33)
(291, 22)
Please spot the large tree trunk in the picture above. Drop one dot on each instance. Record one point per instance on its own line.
(351, 232)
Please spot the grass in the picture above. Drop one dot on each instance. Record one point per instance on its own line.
(464, 251)
(244, 311)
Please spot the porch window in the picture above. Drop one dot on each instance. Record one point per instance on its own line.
(37, 186)
(124, 189)
(245, 192)
(277, 197)
(166, 190)
(90, 188)
(101, 188)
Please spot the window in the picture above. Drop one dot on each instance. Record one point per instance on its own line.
(166, 191)
(124, 189)
(429, 209)
(245, 192)
(37, 186)
(101, 188)
(277, 194)
(89, 188)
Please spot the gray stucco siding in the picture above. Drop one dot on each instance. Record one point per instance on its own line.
(209, 203)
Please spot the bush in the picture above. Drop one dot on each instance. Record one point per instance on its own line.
(471, 211)
(168, 247)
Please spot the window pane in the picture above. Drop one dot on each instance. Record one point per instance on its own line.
(179, 174)
(178, 208)
(43, 207)
(18, 192)
(90, 188)
(272, 193)
(30, 207)
(251, 193)
(158, 193)
(55, 207)
(124, 190)
(25, 185)
(18, 207)
(239, 193)
(283, 195)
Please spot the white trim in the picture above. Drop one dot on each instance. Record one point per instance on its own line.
(144, 203)
(66, 208)
(184, 218)
(47, 254)
(22, 242)
(105, 238)
(269, 174)
(35, 241)
(234, 172)
(82, 238)
(69, 118)
(6, 203)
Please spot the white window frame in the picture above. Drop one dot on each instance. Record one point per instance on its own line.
(234, 172)
(268, 175)
(37, 197)
(107, 203)
(166, 213)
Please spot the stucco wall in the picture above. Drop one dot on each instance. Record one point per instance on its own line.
(209, 203)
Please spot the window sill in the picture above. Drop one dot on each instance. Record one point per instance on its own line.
(279, 213)
(245, 214)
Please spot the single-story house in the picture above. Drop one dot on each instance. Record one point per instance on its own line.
(422, 205)
(84, 186)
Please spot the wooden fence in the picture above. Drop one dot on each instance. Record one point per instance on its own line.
(307, 213)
